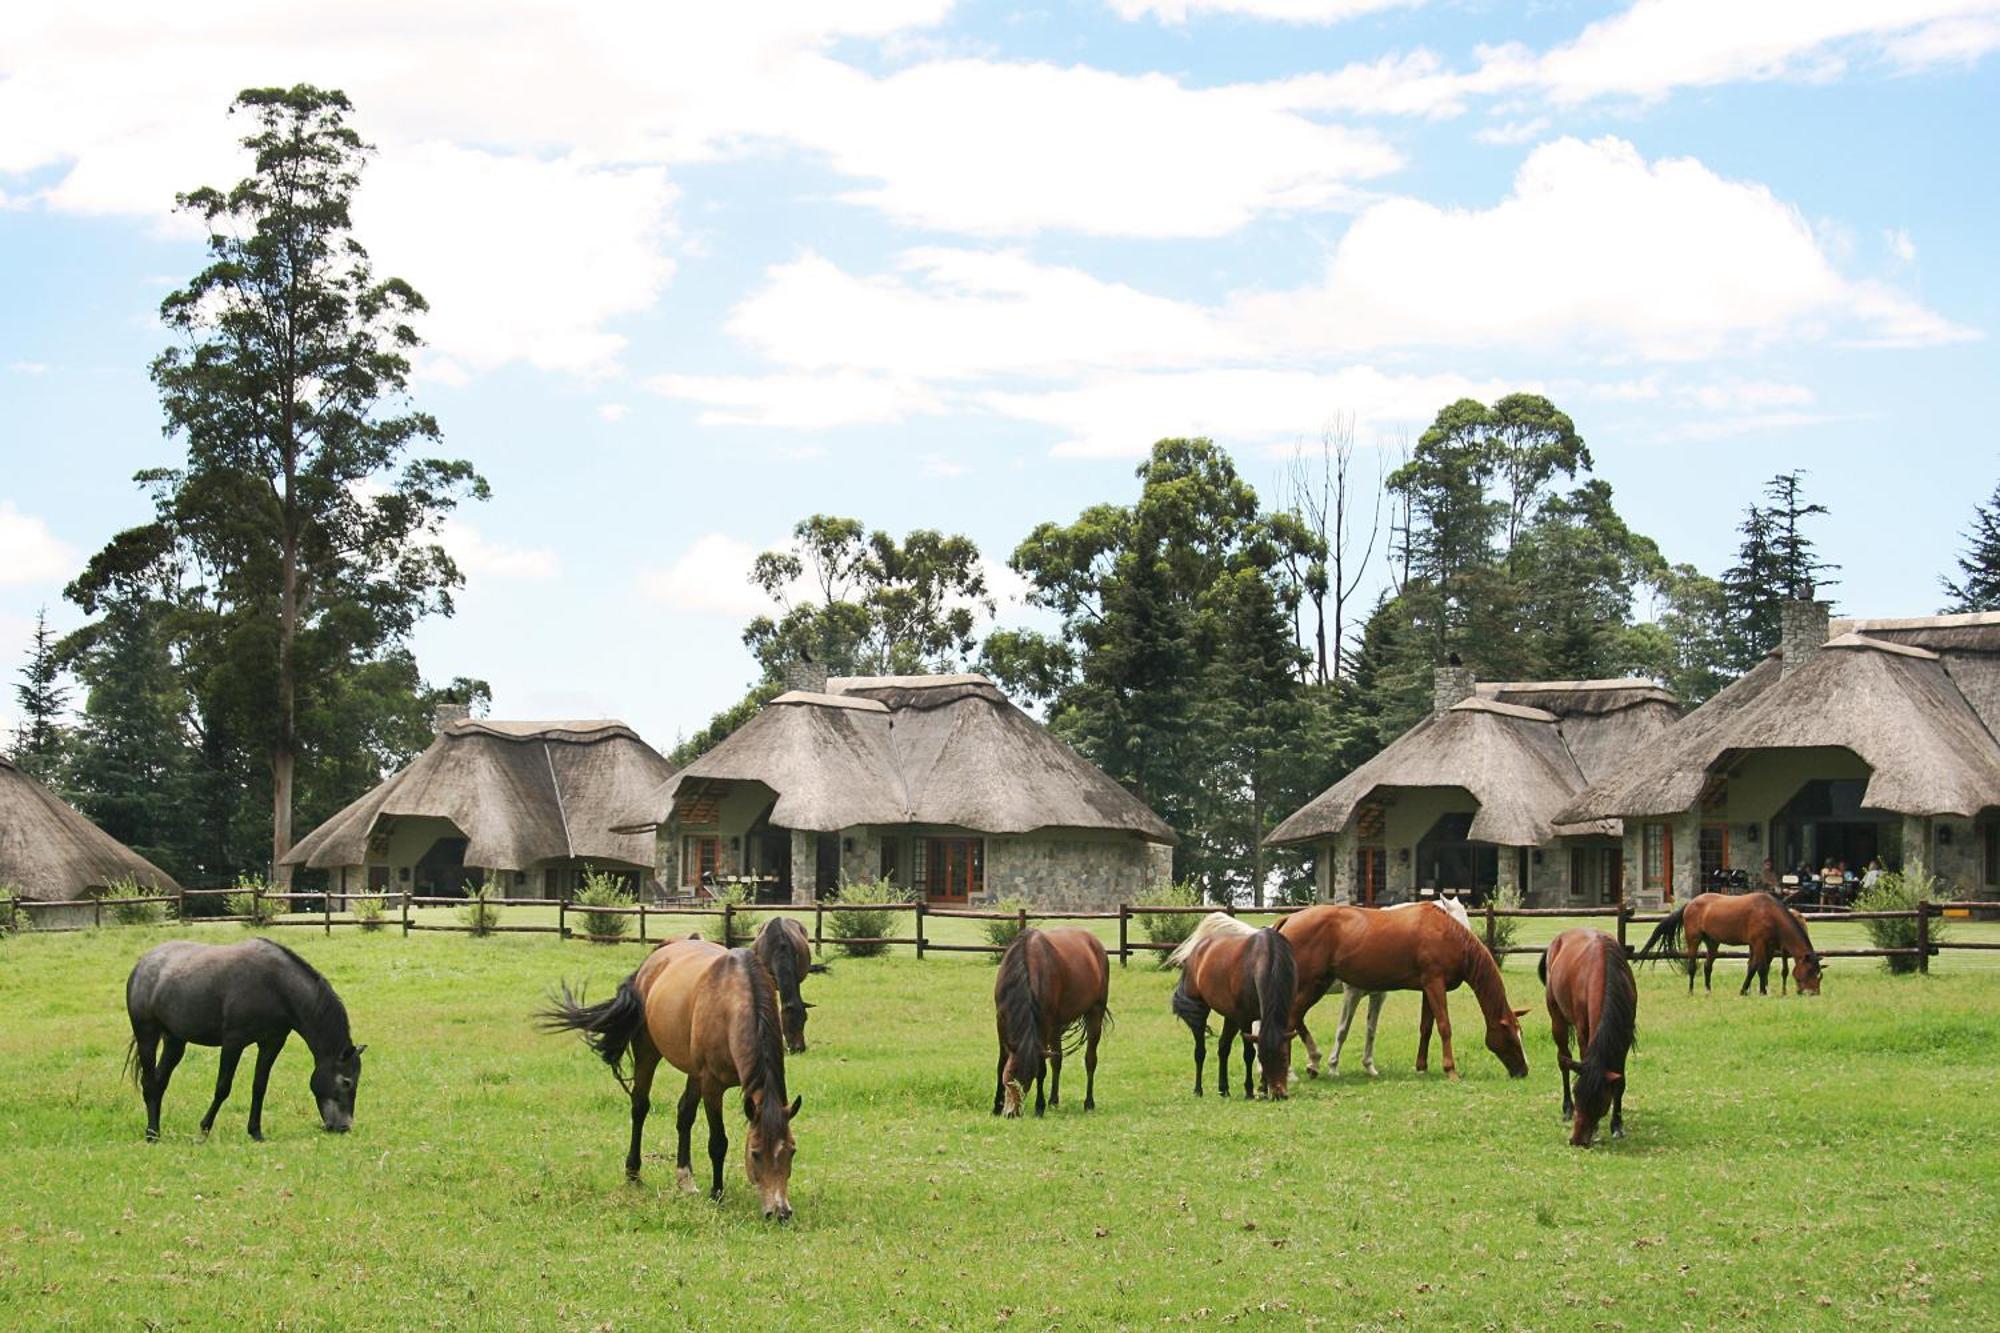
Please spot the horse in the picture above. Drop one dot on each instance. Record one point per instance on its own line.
(1756, 919)
(256, 993)
(1053, 992)
(713, 1014)
(1373, 949)
(1590, 988)
(1352, 997)
(782, 947)
(1248, 976)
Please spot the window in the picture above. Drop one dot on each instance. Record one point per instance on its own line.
(1371, 867)
(957, 869)
(1656, 858)
(920, 865)
(1714, 852)
(701, 859)
(892, 857)
(1991, 838)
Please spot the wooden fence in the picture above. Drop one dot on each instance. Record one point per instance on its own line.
(398, 914)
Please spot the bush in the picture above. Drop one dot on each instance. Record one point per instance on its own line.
(1172, 927)
(855, 930)
(119, 895)
(10, 893)
(369, 913)
(1504, 927)
(1000, 934)
(1898, 892)
(742, 923)
(249, 903)
(481, 911)
(602, 890)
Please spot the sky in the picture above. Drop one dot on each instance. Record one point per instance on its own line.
(697, 271)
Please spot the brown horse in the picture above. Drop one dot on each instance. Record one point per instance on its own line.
(713, 1014)
(782, 947)
(1376, 950)
(1758, 920)
(1248, 977)
(1591, 989)
(1054, 989)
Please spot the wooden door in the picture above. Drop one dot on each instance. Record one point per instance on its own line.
(956, 869)
(1371, 868)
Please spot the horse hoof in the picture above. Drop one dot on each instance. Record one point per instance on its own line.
(1089, 1105)
(684, 1179)
(1311, 1072)
(1373, 1072)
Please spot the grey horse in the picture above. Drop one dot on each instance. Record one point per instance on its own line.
(256, 993)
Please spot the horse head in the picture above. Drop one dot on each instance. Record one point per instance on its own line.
(335, 1080)
(1595, 1089)
(1808, 973)
(1503, 1038)
(795, 1025)
(768, 1153)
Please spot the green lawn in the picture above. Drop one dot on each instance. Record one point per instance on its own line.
(1789, 1162)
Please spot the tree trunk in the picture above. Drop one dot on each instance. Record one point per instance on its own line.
(284, 751)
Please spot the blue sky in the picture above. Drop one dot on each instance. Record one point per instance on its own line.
(696, 274)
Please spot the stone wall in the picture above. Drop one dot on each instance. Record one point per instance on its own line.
(1058, 872)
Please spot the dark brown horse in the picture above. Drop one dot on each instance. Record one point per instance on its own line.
(1758, 920)
(1590, 990)
(1248, 977)
(712, 1013)
(1377, 950)
(782, 947)
(1054, 990)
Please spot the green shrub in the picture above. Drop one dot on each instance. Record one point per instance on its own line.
(10, 919)
(1171, 927)
(1504, 927)
(482, 910)
(119, 895)
(741, 921)
(602, 890)
(855, 930)
(248, 902)
(369, 913)
(1000, 934)
(1898, 892)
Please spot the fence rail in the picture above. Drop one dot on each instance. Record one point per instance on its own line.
(324, 915)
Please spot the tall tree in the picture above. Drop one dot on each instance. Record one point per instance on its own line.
(41, 697)
(1532, 443)
(1800, 570)
(1776, 562)
(1328, 505)
(1977, 587)
(300, 521)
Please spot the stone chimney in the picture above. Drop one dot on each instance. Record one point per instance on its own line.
(1802, 627)
(443, 715)
(807, 676)
(1450, 685)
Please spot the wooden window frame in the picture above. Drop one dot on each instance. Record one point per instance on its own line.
(942, 857)
(1665, 882)
(700, 852)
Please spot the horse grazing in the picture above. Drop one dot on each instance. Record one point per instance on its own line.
(256, 993)
(1591, 990)
(1248, 976)
(1376, 950)
(1052, 993)
(782, 947)
(713, 1014)
(1352, 996)
(1756, 919)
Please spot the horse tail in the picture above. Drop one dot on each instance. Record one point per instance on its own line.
(1188, 1009)
(1020, 1008)
(1215, 923)
(1542, 968)
(1617, 1025)
(1666, 937)
(1276, 976)
(608, 1027)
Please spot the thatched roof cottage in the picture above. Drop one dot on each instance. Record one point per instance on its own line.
(936, 782)
(1855, 739)
(1470, 799)
(51, 852)
(524, 806)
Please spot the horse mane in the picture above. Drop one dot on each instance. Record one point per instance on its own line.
(322, 1009)
(1482, 974)
(1617, 1025)
(1274, 994)
(1020, 1014)
(779, 955)
(766, 1072)
(1789, 923)
(1215, 923)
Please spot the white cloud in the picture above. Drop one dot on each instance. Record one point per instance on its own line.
(800, 402)
(1597, 249)
(1513, 131)
(612, 412)
(1900, 245)
(481, 557)
(943, 467)
(1950, 41)
(711, 577)
(1277, 11)
(28, 367)
(29, 552)
(1746, 395)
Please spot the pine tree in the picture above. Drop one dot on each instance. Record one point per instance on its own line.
(41, 697)
(1978, 585)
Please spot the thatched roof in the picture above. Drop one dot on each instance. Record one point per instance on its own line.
(520, 792)
(945, 750)
(50, 852)
(1521, 749)
(1899, 703)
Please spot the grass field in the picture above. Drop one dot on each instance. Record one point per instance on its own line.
(1788, 1163)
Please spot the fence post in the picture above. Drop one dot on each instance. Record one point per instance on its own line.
(1924, 934)
(1492, 929)
(642, 921)
(182, 907)
(727, 908)
(326, 910)
(1023, 920)
(1124, 934)
(920, 928)
(406, 914)
(97, 912)
(819, 929)
(562, 918)
(1624, 916)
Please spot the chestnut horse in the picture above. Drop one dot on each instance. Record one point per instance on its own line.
(1756, 919)
(782, 947)
(1373, 949)
(1053, 991)
(1591, 990)
(1352, 997)
(713, 1014)
(1247, 976)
